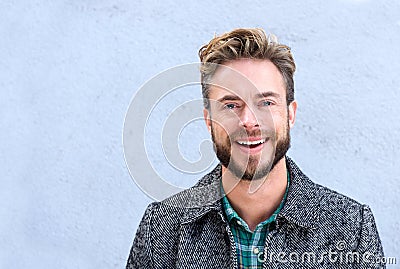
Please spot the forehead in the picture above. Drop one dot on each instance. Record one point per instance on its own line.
(246, 78)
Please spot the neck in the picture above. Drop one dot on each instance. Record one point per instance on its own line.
(255, 201)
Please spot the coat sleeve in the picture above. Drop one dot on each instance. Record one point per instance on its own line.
(140, 255)
(370, 248)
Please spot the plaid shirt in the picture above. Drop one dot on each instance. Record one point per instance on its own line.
(250, 245)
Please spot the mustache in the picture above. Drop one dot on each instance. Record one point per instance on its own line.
(243, 134)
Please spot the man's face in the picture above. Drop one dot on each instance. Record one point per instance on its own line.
(248, 117)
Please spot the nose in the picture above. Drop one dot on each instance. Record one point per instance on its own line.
(248, 118)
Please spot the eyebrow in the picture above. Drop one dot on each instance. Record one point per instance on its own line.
(268, 94)
(231, 97)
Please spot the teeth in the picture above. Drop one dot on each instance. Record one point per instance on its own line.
(250, 143)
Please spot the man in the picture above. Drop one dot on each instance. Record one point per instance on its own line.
(256, 209)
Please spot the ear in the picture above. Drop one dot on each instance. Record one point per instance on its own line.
(207, 118)
(292, 113)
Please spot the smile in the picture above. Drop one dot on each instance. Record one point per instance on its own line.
(251, 143)
(251, 146)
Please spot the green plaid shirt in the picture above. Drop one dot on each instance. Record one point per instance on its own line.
(249, 244)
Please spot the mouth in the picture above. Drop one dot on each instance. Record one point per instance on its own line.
(252, 145)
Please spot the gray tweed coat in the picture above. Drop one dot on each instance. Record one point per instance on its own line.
(316, 228)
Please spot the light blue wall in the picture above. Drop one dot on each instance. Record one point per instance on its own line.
(68, 70)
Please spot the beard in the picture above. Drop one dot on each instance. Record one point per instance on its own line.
(253, 169)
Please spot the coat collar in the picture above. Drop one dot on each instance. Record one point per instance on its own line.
(200, 199)
(302, 203)
(301, 206)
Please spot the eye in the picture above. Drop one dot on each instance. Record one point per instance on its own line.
(266, 103)
(231, 106)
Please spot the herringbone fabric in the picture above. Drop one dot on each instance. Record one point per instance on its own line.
(316, 228)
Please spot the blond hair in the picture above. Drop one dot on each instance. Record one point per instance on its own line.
(246, 43)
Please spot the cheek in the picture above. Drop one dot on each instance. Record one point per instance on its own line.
(268, 117)
(219, 132)
(224, 126)
(280, 120)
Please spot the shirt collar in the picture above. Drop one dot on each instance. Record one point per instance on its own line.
(233, 217)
